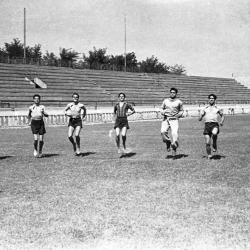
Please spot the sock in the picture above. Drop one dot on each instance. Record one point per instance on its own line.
(35, 144)
(124, 140)
(41, 143)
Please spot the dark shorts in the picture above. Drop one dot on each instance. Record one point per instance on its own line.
(121, 122)
(75, 122)
(209, 126)
(38, 127)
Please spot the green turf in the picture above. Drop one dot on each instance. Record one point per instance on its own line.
(143, 201)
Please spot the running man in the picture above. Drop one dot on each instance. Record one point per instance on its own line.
(35, 120)
(121, 122)
(76, 114)
(211, 112)
(172, 110)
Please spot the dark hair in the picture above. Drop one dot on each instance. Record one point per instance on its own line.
(36, 95)
(75, 94)
(121, 94)
(174, 89)
(214, 96)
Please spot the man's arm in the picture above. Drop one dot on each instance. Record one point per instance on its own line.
(29, 117)
(132, 111)
(84, 112)
(222, 117)
(201, 115)
(44, 112)
(181, 111)
(66, 109)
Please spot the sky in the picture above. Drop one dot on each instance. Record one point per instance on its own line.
(209, 38)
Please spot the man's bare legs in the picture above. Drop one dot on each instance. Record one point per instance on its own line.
(76, 142)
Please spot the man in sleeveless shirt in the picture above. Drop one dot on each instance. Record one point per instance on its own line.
(76, 111)
(211, 131)
(172, 110)
(121, 122)
(35, 120)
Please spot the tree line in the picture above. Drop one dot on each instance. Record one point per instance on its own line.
(15, 50)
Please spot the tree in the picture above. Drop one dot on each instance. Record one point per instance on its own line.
(119, 60)
(97, 57)
(152, 65)
(178, 70)
(14, 49)
(49, 56)
(69, 56)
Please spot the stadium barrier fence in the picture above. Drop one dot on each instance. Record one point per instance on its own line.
(8, 121)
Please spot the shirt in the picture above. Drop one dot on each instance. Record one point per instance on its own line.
(121, 111)
(172, 106)
(75, 109)
(36, 112)
(211, 113)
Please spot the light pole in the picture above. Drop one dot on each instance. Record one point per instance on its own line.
(125, 60)
(24, 49)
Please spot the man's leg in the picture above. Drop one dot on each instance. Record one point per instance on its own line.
(208, 146)
(214, 138)
(35, 144)
(164, 134)
(174, 129)
(41, 143)
(124, 137)
(70, 136)
(117, 139)
(77, 135)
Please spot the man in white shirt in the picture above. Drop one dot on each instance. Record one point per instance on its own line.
(172, 110)
(35, 120)
(211, 131)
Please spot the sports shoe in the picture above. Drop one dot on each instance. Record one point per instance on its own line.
(214, 147)
(168, 143)
(35, 152)
(209, 157)
(40, 155)
(77, 153)
(119, 151)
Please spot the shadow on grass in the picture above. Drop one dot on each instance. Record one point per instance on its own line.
(216, 157)
(176, 157)
(127, 155)
(5, 157)
(85, 154)
(49, 155)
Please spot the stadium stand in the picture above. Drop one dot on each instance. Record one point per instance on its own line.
(100, 88)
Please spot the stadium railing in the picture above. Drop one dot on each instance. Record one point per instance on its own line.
(95, 116)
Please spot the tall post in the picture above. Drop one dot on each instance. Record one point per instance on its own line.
(24, 49)
(125, 59)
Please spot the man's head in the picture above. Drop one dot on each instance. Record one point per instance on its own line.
(75, 97)
(173, 93)
(212, 98)
(36, 98)
(121, 96)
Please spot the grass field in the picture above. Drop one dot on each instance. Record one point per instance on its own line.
(142, 201)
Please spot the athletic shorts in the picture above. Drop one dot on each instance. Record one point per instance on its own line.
(121, 122)
(209, 126)
(75, 122)
(38, 127)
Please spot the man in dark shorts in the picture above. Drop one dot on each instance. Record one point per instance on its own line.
(76, 111)
(121, 122)
(35, 120)
(211, 131)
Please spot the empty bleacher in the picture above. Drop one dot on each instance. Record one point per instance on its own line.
(100, 88)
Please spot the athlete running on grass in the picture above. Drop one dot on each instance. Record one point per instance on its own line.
(35, 120)
(172, 110)
(121, 122)
(211, 131)
(76, 114)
